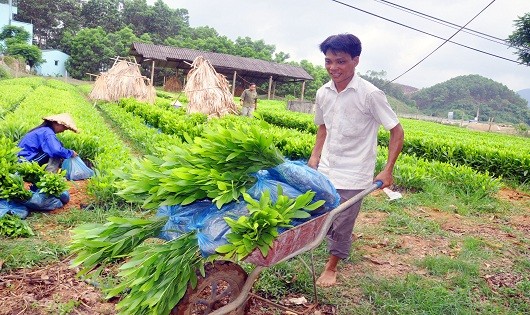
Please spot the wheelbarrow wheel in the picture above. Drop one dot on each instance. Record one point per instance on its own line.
(221, 285)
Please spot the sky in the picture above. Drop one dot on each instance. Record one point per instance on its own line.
(297, 27)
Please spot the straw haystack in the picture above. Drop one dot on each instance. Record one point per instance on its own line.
(208, 92)
(123, 80)
(172, 84)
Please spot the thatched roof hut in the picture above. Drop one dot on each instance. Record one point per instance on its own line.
(208, 92)
(123, 80)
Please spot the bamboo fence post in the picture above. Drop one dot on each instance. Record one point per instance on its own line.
(270, 86)
(303, 90)
(234, 83)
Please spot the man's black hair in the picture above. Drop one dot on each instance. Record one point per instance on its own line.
(347, 43)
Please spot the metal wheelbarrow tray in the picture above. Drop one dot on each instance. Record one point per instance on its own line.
(226, 286)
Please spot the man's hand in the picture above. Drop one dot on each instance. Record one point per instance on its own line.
(386, 177)
(313, 162)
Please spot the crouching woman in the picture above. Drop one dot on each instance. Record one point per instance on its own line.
(41, 144)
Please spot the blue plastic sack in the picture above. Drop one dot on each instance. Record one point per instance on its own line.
(64, 197)
(76, 169)
(204, 217)
(264, 182)
(42, 202)
(303, 178)
(13, 207)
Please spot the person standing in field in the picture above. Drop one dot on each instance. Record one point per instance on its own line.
(249, 100)
(349, 111)
(41, 144)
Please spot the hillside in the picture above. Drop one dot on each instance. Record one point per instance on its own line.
(468, 95)
(525, 94)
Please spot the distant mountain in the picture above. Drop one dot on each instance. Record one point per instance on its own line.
(525, 94)
(468, 95)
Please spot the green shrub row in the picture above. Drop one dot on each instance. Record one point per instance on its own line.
(148, 139)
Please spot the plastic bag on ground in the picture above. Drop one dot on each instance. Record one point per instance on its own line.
(76, 169)
(43, 202)
(13, 207)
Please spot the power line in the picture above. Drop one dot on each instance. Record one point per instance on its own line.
(418, 30)
(446, 23)
(447, 40)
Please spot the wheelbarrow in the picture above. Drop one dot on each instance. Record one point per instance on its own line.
(226, 286)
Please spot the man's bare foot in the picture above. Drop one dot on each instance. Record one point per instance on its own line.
(328, 278)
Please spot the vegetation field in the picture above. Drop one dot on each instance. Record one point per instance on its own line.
(456, 243)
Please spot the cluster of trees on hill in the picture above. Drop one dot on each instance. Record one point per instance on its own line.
(469, 94)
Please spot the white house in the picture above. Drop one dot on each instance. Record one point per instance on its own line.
(54, 60)
(54, 63)
(8, 8)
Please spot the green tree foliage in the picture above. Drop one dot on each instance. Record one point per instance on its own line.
(102, 13)
(392, 89)
(122, 40)
(16, 39)
(166, 22)
(136, 14)
(50, 18)
(90, 51)
(246, 47)
(31, 53)
(202, 38)
(520, 38)
(11, 33)
(465, 95)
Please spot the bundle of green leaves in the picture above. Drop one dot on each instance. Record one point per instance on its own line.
(157, 275)
(11, 184)
(260, 228)
(216, 165)
(13, 226)
(31, 172)
(96, 245)
(52, 184)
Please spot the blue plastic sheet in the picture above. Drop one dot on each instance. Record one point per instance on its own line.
(265, 182)
(14, 208)
(42, 202)
(76, 169)
(204, 217)
(303, 178)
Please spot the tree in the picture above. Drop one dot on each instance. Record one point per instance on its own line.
(16, 39)
(166, 22)
(31, 53)
(14, 33)
(49, 18)
(102, 13)
(90, 51)
(136, 14)
(122, 41)
(520, 38)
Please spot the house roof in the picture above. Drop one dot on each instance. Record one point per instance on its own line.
(251, 69)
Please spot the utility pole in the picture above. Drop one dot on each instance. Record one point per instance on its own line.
(10, 5)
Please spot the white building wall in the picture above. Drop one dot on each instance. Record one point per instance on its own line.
(54, 64)
(4, 20)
